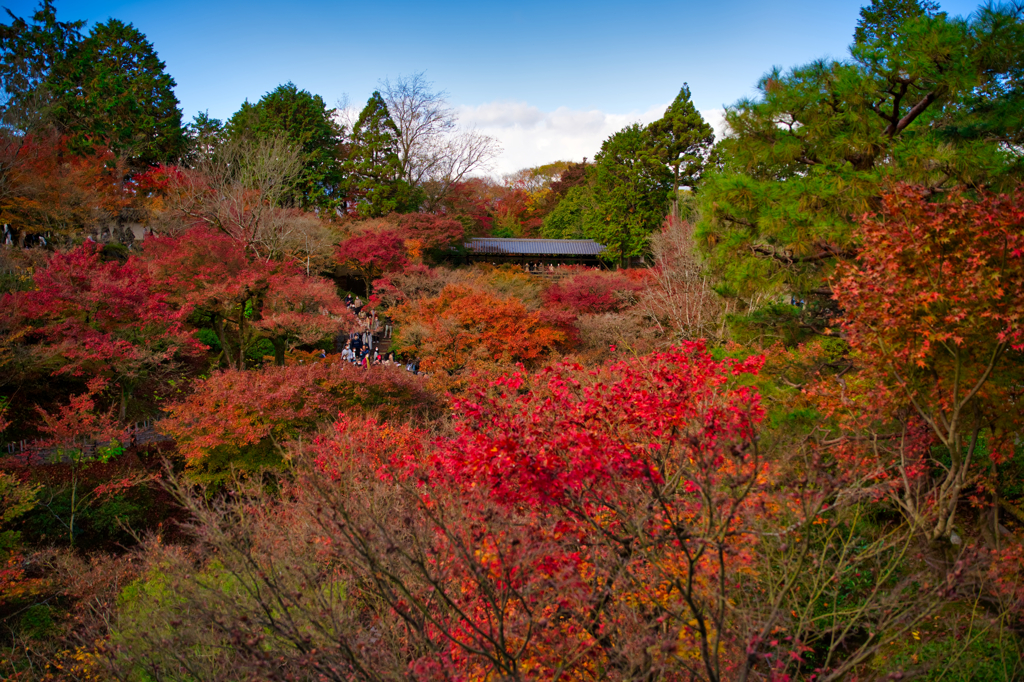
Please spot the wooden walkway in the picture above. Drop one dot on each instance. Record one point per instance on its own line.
(35, 451)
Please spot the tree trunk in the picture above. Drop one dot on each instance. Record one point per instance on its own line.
(74, 493)
(123, 410)
(241, 337)
(225, 346)
(278, 351)
(675, 195)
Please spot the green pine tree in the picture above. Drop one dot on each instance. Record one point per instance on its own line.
(111, 89)
(820, 144)
(373, 167)
(685, 140)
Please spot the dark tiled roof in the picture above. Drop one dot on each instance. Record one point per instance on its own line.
(535, 247)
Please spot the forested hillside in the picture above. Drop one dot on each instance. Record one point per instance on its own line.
(266, 415)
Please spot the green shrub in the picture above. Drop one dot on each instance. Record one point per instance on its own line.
(37, 621)
(970, 651)
(209, 338)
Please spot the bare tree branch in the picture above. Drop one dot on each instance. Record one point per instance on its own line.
(434, 155)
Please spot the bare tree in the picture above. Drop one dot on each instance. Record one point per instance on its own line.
(267, 166)
(238, 191)
(453, 159)
(680, 299)
(434, 154)
(422, 116)
(345, 115)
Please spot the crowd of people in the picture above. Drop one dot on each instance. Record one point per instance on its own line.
(541, 267)
(363, 346)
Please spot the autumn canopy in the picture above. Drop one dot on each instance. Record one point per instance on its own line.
(279, 402)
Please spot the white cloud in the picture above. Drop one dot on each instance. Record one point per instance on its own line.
(716, 117)
(531, 137)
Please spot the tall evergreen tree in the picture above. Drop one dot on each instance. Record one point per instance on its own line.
(632, 186)
(373, 167)
(111, 88)
(204, 135)
(28, 53)
(684, 140)
(305, 121)
(815, 150)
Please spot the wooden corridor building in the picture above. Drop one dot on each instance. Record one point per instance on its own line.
(545, 251)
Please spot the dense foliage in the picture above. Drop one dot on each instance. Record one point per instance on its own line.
(261, 419)
(922, 99)
(112, 87)
(303, 120)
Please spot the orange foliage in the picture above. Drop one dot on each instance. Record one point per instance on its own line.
(54, 192)
(935, 311)
(239, 409)
(462, 326)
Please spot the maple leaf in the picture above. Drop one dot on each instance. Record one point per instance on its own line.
(961, 283)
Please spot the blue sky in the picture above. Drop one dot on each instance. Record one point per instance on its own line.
(550, 80)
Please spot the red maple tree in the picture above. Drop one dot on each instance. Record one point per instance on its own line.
(88, 317)
(462, 325)
(934, 307)
(374, 253)
(245, 298)
(234, 414)
(619, 523)
(50, 191)
(432, 231)
(593, 291)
